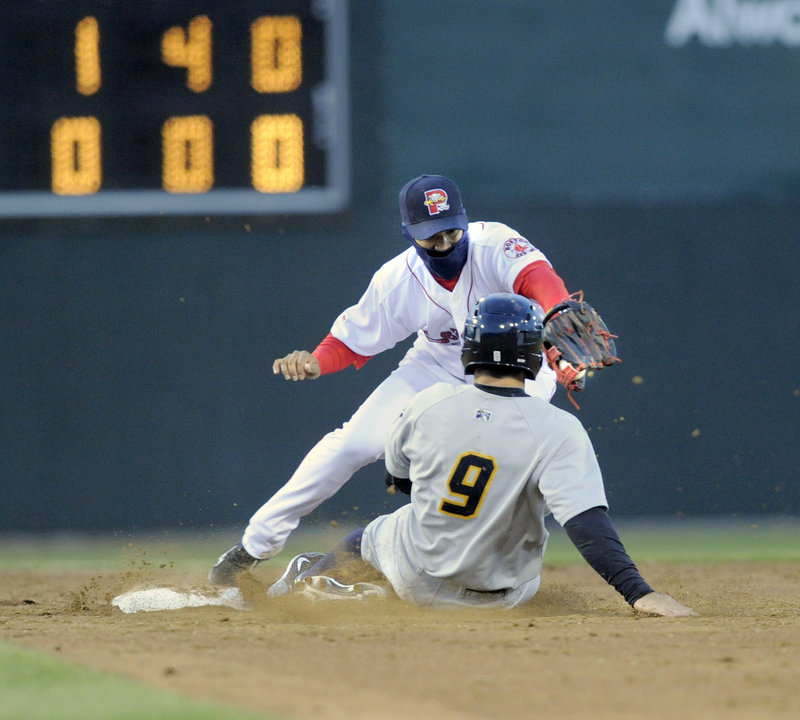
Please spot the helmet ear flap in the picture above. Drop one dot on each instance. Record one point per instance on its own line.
(505, 331)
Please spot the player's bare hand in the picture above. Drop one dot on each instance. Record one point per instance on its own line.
(661, 604)
(297, 365)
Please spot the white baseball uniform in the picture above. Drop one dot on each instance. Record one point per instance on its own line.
(402, 298)
(485, 468)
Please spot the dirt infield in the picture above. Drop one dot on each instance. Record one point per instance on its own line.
(575, 651)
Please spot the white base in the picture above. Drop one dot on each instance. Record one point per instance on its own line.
(154, 599)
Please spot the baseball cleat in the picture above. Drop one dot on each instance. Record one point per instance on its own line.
(297, 565)
(322, 587)
(230, 564)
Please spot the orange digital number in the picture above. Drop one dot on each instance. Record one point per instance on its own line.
(188, 154)
(277, 153)
(191, 50)
(75, 155)
(276, 54)
(87, 56)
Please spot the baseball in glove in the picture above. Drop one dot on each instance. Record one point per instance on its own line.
(576, 340)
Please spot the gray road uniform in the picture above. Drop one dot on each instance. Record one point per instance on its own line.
(485, 464)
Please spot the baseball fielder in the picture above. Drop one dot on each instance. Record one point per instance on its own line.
(429, 290)
(484, 463)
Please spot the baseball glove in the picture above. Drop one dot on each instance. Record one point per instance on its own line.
(576, 340)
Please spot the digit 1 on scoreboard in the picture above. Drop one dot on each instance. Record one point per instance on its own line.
(87, 56)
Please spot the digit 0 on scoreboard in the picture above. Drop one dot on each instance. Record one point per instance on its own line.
(186, 107)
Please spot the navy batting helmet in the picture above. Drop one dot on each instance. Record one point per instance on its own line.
(504, 330)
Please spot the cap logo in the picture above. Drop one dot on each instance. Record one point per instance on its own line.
(436, 201)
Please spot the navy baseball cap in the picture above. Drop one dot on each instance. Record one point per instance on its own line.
(430, 204)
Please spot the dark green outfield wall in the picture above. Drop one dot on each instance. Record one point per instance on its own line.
(662, 179)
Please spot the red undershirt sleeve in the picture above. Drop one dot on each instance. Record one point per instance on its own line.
(538, 281)
(334, 355)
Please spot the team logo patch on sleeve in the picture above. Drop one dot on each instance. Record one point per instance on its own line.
(436, 201)
(446, 337)
(517, 247)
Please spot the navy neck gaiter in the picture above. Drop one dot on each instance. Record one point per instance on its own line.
(446, 265)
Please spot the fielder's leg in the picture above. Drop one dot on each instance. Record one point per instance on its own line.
(330, 464)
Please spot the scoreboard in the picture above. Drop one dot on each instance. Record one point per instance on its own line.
(112, 107)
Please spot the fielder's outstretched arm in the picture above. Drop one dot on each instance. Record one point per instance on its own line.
(330, 356)
(297, 365)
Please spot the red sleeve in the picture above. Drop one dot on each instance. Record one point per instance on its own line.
(538, 281)
(334, 355)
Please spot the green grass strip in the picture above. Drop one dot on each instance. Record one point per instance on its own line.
(658, 540)
(35, 686)
(694, 541)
